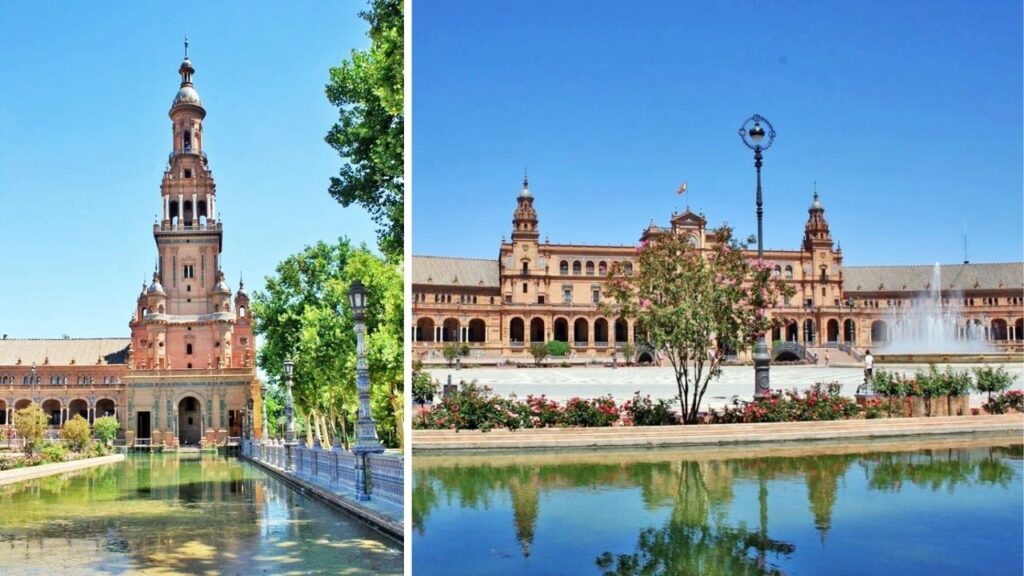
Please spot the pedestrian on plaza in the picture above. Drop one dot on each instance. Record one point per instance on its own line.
(869, 365)
(826, 358)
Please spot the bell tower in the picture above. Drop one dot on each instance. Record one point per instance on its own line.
(524, 220)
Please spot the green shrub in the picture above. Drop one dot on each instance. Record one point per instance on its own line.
(54, 452)
(106, 428)
(75, 433)
(539, 351)
(590, 413)
(643, 411)
(992, 380)
(1005, 402)
(31, 423)
(558, 348)
(450, 351)
(819, 402)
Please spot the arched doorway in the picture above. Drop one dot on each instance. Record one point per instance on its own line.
(879, 331)
(776, 334)
(1018, 329)
(601, 332)
(791, 331)
(78, 407)
(809, 332)
(849, 330)
(537, 330)
(581, 332)
(51, 408)
(832, 330)
(516, 330)
(561, 329)
(3, 413)
(621, 331)
(999, 329)
(450, 330)
(190, 421)
(477, 330)
(106, 407)
(425, 330)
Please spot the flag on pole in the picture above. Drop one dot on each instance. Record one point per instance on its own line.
(682, 189)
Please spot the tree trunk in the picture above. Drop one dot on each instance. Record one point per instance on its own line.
(326, 442)
(309, 431)
(399, 410)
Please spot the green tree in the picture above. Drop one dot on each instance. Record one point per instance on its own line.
(423, 386)
(304, 315)
(989, 380)
(629, 351)
(368, 91)
(690, 302)
(31, 422)
(450, 352)
(75, 433)
(558, 348)
(106, 428)
(539, 351)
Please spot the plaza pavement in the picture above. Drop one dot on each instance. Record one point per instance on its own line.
(560, 384)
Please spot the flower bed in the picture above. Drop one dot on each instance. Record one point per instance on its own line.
(820, 402)
(52, 452)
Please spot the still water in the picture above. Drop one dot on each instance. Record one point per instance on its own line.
(953, 507)
(181, 514)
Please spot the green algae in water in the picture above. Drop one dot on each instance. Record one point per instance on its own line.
(181, 514)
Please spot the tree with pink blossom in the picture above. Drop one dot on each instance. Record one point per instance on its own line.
(692, 303)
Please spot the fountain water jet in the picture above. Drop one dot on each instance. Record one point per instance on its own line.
(931, 326)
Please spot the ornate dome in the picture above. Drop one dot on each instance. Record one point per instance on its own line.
(222, 286)
(816, 205)
(187, 95)
(155, 287)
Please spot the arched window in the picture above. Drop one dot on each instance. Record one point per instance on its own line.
(789, 272)
(188, 349)
(590, 268)
(187, 141)
(777, 271)
(602, 268)
(563, 268)
(629, 268)
(241, 311)
(526, 268)
(577, 268)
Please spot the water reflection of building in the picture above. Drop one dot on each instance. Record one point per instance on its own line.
(186, 374)
(537, 291)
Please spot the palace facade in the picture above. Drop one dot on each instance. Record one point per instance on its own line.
(185, 375)
(539, 291)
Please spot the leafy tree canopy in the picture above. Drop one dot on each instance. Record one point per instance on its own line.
(368, 89)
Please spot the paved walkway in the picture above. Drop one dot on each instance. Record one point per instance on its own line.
(712, 434)
(560, 384)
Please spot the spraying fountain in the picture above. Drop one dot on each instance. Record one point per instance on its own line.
(933, 329)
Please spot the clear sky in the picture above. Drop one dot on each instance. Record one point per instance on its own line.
(84, 138)
(906, 113)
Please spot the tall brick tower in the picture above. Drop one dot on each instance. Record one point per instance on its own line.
(189, 343)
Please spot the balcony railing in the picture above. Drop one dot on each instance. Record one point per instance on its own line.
(187, 227)
(187, 153)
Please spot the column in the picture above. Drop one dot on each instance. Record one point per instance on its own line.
(208, 207)
(181, 209)
(195, 209)
(167, 211)
(213, 207)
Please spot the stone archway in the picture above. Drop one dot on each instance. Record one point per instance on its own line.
(561, 329)
(832, 330)
(849, 330)
(52, 409)
(515, 331)
(190, 421)
(879, 331)
(425, 330)
(537, 330)
(78, 407)
(477, 331)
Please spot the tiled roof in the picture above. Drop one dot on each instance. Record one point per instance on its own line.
(443, 271)
(1008, 275)
(61, 351)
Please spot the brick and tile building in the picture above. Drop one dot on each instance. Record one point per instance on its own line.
(538, 291)
(187, 373)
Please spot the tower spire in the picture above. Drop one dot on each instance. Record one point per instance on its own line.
(186, 46)
(526, 177)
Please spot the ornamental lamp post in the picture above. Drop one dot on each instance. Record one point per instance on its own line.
(289, 415)
(754, 137)
(366, 429)
(33, 382)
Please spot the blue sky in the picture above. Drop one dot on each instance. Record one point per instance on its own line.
(907, 114)
(84, 138)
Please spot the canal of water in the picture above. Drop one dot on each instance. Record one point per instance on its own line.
(181, 514)
(952, 507)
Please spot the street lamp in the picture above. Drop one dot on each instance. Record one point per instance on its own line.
(289, 415)
(366, 429)
(754, 137)
(33, 382)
